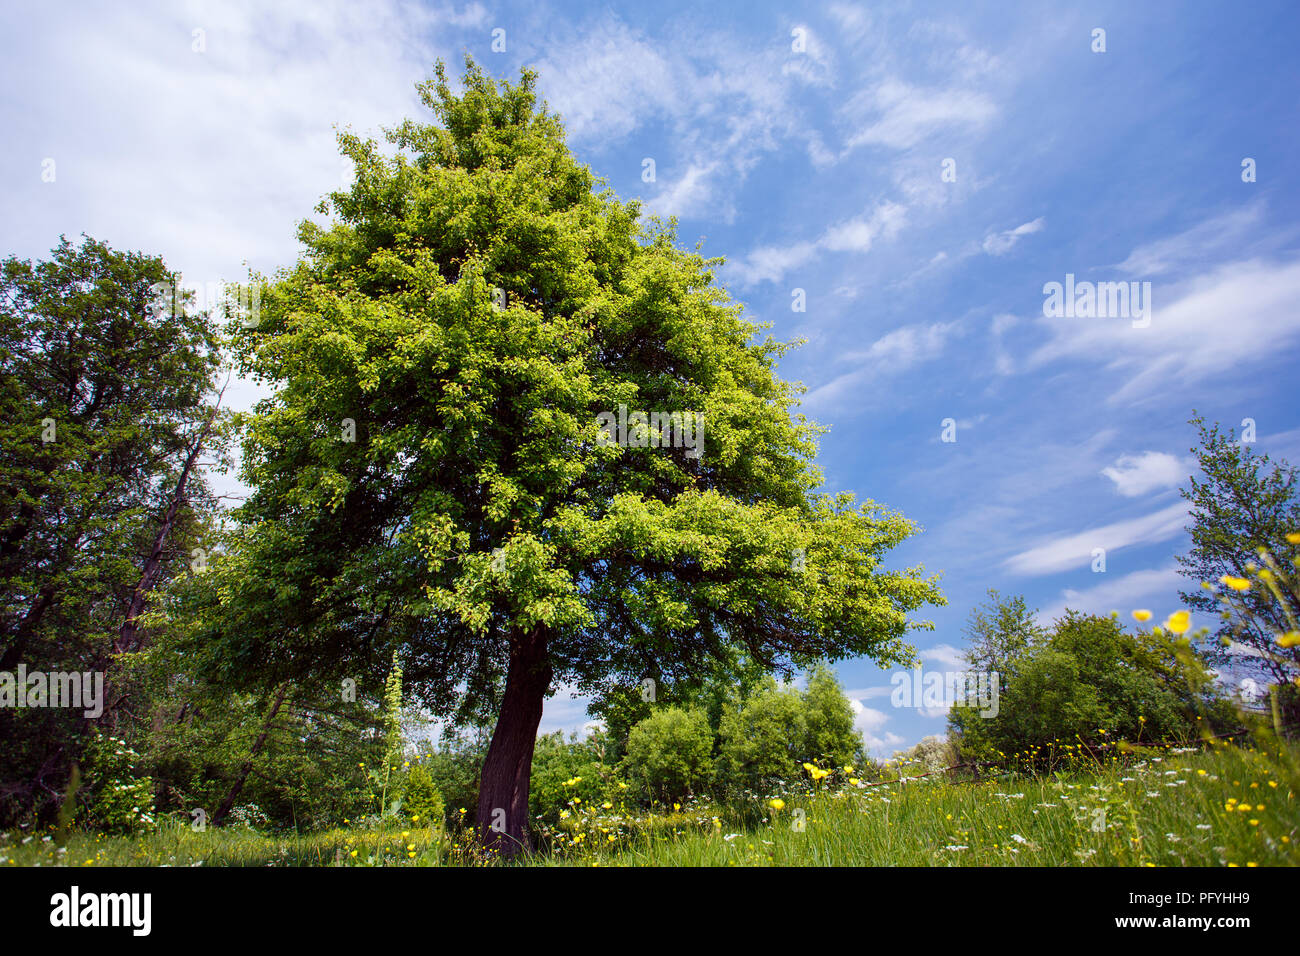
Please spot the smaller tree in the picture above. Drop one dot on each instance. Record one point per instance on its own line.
(1091, 682)
(1000, 632)
(668, 753)
(421, 801)
(762, 739)
(1245, 515)
(829, 735)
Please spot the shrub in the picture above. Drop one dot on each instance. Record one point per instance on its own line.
(668, 753)
(829, 735)
(119, 800)
(1090, 681)
(761, 741)
(566, 775)
(420, 797)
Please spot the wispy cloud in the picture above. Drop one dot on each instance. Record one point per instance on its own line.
(1157, 588)
(891, 354)
(1218, 238)
(945, 655)
(1000, 243)
(897, 115)
(1074, 551)
(1235, 316)
(771, 263)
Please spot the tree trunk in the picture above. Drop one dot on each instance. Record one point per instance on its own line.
(26, 627)
(228, 804)
(129, 638)
(503, 787)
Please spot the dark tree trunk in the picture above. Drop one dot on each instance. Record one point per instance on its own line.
(129, 638)
(228, 804)
(26, 627)
(503, 787)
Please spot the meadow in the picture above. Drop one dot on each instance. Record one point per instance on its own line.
(1224, 806)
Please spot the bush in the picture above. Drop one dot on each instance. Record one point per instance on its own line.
(119, 801)
(1090, 681)
(761, 741)
(421, 799)
(567, 775)
(668, 753)
(829, 734)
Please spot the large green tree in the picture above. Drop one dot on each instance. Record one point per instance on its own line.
(433, 471)
(105, 383)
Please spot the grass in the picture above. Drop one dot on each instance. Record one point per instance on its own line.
(1225, 807)
(1171, 810)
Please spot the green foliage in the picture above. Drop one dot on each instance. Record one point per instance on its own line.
(619, 709)
(1245, 513)
(421, 801)
(454, 769)
(311, 771)
(1001, 632)
(669, 753)
(830, 737)
(121, 801)
(1179, 810)
(568, 774)
(1091, 682)
(383, 776)
(477, 301)
(102, 390)
(762, 739)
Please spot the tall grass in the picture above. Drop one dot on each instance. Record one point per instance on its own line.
(1228, 806)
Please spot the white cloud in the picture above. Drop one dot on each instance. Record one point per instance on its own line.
(609, 79)
(722, 105)
(906, 346)
(870, 723)
(890, 354)
(565, 711)
(1214, 237)
(208, 157)
(1074, 552)
(897, 115)
(1235, 316)
(1154, 589)
(770, 263)
(869, 693)
(1135, 475)
(946, 656)
(690, 195)
(1000, 243)
(857, 235)
(815, 64)
(853, 23)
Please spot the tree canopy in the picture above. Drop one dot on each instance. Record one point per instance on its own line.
(431, 472)
(106, 387)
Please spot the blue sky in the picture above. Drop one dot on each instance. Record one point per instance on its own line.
(817, 169)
